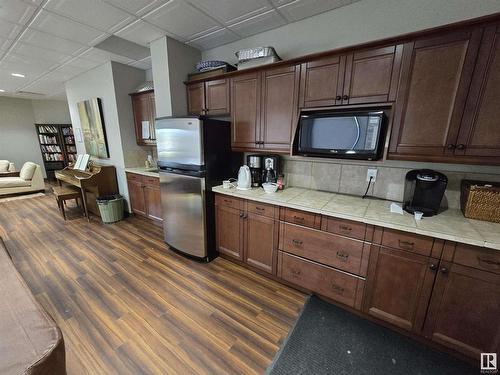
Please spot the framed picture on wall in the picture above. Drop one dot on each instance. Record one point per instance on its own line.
(94, 132)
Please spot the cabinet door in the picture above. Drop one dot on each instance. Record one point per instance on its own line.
(435, 78)
(261, 238)
(372, 75)
(229, 226)
(137, 198)
(141, 105)
(279, 107)
(322, 82)
(399, 286)
(152, 197)
(245, 111)
(217, 97)
(465, 310)
(480, 135)
(196, 98)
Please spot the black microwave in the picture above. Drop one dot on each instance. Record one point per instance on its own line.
(353, 134)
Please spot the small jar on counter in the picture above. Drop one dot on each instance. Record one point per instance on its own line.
(281, 182)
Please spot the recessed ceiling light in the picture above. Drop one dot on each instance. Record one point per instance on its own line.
(17, 75)
(1, 90)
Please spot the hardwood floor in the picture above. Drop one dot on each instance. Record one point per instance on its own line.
(126, 304)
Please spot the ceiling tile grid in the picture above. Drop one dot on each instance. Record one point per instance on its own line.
(52, 41)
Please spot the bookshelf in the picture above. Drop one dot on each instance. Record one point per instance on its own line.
(57, 145)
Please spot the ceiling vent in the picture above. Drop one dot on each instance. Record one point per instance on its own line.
(122, 47)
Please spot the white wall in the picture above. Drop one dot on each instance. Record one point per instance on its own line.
(111, 82)
(18, 139)
(51, 112)
(360, 22)
(172, 61)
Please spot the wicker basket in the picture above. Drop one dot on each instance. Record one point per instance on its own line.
(480, 200)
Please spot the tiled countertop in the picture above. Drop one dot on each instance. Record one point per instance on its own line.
(151, 172)
(448, 225)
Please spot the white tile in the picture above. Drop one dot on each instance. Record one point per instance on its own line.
(46, 85)
(231, 11)
(28, 61)
(51, 42)
(100, 56)
(9, 29)
(137, 7)
(297, 10)
(94, 13)
(143, 64)
(37, 52)
(9, 83)
(214, 39)
(16, 11)
(182, 19)
(65, 28)
(140, 32)
(66, 72)
(258, 24)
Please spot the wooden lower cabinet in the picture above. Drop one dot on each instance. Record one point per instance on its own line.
(229, 231)
(145, 196)
(399, 285)
(464, 313)
(446, 292)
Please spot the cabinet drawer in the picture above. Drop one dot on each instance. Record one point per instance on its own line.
(329, 282)
(151, 180)
(341, 252)
(407, 241)
(347, 228)
(261, 209)
(134, 177)
(477, 257)
(225, 200)
(306, 219)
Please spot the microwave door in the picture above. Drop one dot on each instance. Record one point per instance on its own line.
(179, 142)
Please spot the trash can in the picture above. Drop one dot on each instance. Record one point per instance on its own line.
(111, 208)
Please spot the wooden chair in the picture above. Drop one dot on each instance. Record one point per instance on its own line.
(64, 193)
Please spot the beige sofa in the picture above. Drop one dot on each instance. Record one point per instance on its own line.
(6, 167)
(29, 179)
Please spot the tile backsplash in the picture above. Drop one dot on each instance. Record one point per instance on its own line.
(349, 177)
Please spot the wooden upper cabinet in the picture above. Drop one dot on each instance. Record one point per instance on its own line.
(435, 78)
(245, 114)
(399, 286)
(322, 82)
(480, 132)
(280, 89)
(143, 106)
(208, 98)
(372, 75)
(217, 97)
(465, 310)
(196, 98)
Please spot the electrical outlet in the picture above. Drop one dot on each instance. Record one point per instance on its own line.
(371, 172)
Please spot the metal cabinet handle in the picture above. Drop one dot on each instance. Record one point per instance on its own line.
(338, 289)
(297, 242)
(489, 262)
(345, 227)
(295, 272)
(451, 146)
(299, 218)
(406, 244)
(242, 214)
(345, 97)
(460, 146)
(338, 97)
(433, 266)
(342, 255)
(260, 208)
(444, 270)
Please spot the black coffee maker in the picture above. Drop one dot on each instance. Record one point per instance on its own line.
(424, 190)
(270, 168)
(254, 162)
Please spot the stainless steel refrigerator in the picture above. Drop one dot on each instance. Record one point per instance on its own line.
(194, 154)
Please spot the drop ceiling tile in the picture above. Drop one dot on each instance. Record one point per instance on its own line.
(38, 52)
(182, 19)
(14, 58)
(137, 7)
(99, 56)
(16, 11)
(258, 24)
(40, 39)
(9, 83)
(297, 10)
(46, 85)
(231, 11)
(140, 32)
(94, 13)
(214, 39)
(143, 64)
(30, 71)
(65, 28)
(84, 63)
(66, 72)
(9, 29)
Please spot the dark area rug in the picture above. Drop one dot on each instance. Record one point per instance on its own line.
(329, 340)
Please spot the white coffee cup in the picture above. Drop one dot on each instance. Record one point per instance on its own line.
(418, 215)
